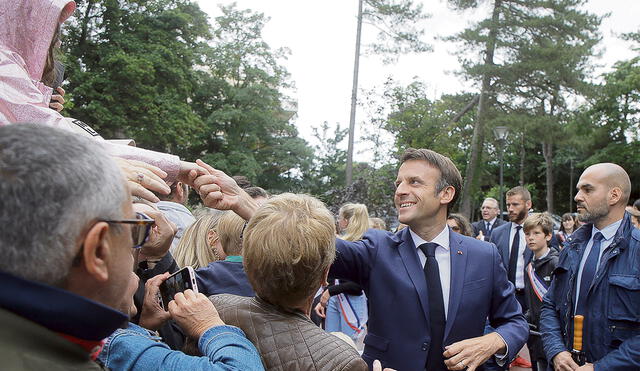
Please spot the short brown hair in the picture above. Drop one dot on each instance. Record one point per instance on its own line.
(542, 220)
(449, 174)
(288, 245)
(229, 231)
(521, 191)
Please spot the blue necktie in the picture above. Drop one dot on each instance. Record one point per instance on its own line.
(435, 359)
(488, 229)
(588, 272)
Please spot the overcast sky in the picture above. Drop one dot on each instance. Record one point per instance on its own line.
(321, 37)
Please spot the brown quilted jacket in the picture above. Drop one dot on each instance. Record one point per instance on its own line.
(286, 341)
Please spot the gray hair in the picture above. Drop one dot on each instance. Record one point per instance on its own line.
(53, 184)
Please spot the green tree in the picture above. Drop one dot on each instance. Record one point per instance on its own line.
(544, 48)
(245, 115)
(396, 22)
(131, 69)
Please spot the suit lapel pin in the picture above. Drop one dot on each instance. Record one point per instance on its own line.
(459, 252)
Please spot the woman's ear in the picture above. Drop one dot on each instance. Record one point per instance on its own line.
(212, 236)
(96, 251)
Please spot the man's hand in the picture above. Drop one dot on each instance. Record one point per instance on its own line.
(219, 191)
(563, 362)
(153, 316)
(143, 178)
(471, 353)
(186, 169)
(586, 367)
(160, 236)
(377, 366)
(480, 236)
(194, 313)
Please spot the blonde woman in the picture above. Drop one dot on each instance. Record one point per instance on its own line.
(227, 276)
(200, 244)
(343, 304)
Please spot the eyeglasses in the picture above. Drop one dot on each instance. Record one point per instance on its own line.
(141, 226)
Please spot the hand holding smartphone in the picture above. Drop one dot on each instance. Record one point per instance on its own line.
(180, 281)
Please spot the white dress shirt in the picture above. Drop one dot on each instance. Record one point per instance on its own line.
(442, 257)
(608, 233)
(521, 247)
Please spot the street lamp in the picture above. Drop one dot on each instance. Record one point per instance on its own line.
(501, 133)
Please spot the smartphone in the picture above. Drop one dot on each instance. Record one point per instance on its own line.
(182, 280)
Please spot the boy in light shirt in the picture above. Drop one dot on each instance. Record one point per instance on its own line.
(538, 230)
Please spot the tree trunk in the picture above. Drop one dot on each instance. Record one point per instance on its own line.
(477, 141)
(523, 154)
(354, 99)
(85, 25)
(547, 152)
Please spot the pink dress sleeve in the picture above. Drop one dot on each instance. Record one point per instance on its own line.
(23, 100)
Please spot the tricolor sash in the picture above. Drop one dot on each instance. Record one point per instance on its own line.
(538, 285)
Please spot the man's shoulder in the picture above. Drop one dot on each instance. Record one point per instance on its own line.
(477, 224)
(504, 228)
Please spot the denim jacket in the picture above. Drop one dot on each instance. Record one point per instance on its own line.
(135, 348)
(612, 332)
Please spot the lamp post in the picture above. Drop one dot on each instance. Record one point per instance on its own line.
(501, 133)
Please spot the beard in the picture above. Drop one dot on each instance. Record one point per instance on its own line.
(520, 216)
(595, 213)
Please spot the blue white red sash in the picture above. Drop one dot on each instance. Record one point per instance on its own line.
(538, 285)
(349, 315)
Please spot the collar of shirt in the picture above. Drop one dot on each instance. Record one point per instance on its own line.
(514, 225)
(234, 258)
(441, 239)
(543, 256)
(607, 232)
(490, 221)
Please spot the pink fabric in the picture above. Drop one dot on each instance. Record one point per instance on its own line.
(26, 31)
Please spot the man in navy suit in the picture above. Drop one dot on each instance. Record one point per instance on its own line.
(511, 242)
(430, 290)
(490, 211)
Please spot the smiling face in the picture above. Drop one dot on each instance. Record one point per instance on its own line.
(568, 224)
(416, 198)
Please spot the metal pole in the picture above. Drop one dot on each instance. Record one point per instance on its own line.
(500, 155)
(354, 98)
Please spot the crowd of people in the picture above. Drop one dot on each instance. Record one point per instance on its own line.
(94, 231)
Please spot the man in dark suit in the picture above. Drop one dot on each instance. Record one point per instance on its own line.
(430, 290)
(490, 211)
(511, 242)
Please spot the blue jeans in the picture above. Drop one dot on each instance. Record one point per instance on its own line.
(135, 348)
(335, 321)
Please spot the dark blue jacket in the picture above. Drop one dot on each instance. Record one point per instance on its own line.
(500, 237)
(612, 333)
(387, 266)
(224, 277)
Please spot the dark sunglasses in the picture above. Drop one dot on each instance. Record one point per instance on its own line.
(140, 228)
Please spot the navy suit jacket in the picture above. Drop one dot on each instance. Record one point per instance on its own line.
(481, 226)
(500, 237)
(387, 266)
